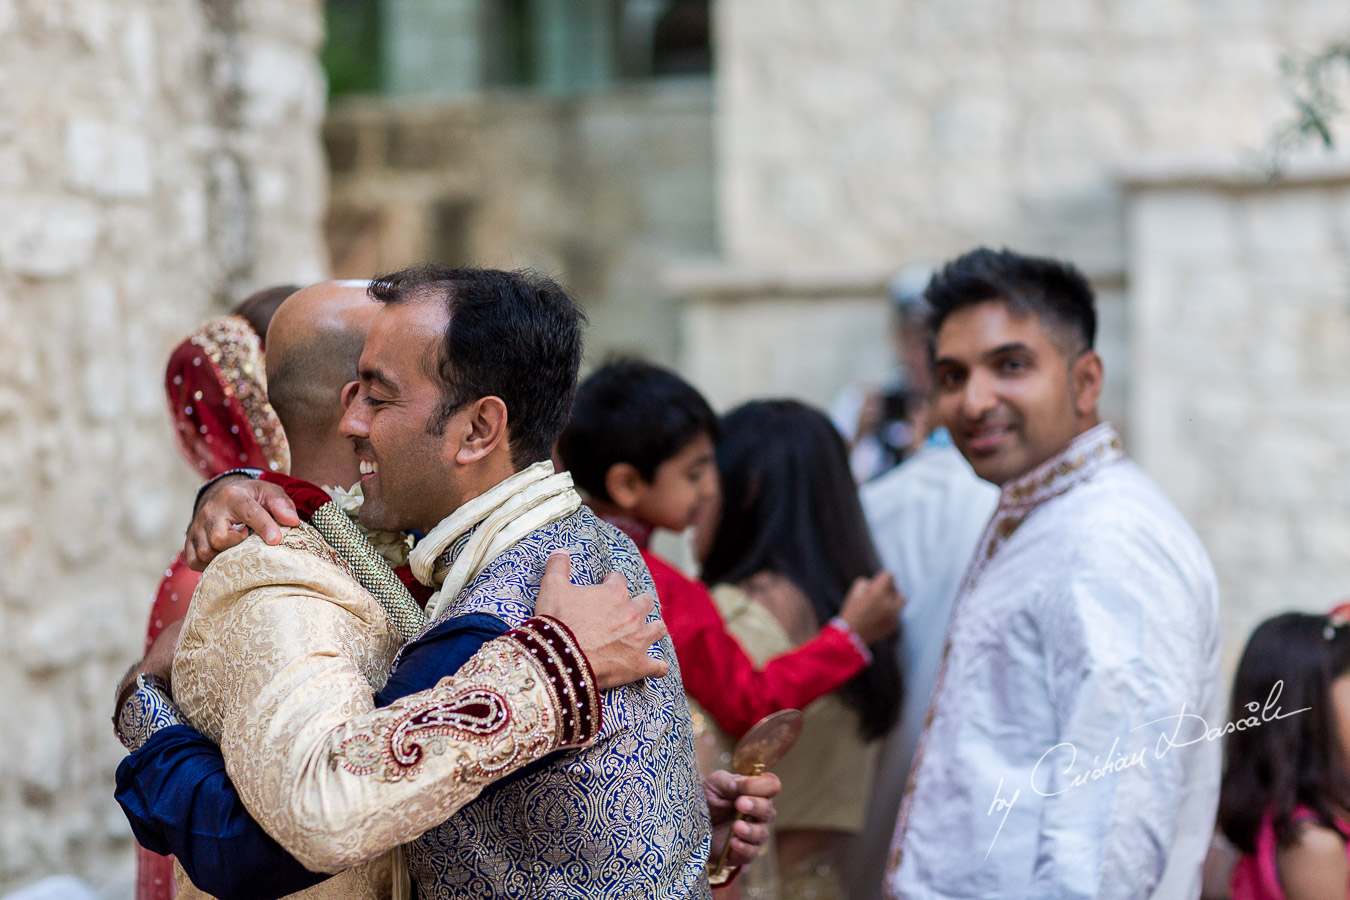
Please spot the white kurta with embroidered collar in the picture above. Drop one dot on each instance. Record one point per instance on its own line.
(1061, 757)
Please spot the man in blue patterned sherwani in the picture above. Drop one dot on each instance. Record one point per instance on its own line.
(466, 378)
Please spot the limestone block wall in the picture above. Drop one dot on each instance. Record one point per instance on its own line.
(751, 335)
(871, 131)
(602, 190)
(1240, 307)
(158, 160)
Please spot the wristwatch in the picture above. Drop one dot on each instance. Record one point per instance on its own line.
(145, 707)
(250, 471)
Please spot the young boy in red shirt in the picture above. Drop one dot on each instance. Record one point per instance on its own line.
(640, 443)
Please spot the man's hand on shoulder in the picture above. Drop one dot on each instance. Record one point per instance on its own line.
(229, 510)
(610, 626)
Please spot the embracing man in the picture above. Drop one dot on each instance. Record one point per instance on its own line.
(1085, 631)
(466, 377)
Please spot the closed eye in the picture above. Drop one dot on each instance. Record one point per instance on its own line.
(950, 378)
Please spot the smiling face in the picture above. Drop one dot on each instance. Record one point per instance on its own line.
(1008, 392)
(409, 476)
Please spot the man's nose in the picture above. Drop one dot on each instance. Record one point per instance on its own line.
(979, 396)
(354, 424)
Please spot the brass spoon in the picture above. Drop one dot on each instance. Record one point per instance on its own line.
(763, 745)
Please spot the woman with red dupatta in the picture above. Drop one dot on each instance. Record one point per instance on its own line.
(217, 389)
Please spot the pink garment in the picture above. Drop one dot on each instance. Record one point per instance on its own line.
(1257, 877)
(154, 876)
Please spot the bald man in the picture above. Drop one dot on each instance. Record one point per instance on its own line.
(281, 653)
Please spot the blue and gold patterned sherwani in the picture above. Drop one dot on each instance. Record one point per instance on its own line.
(623, 818)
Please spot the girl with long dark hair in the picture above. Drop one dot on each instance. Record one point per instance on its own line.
(790, 547)
(1285, 799)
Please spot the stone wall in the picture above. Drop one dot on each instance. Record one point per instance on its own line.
(1240, 308)
(602, 190)
(157, 161)
(871, 131)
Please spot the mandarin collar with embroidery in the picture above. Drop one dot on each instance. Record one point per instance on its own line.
(1086, 454)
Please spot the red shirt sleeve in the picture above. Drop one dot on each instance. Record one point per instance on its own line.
(720, 675)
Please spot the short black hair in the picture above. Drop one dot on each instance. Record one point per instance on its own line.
(513, 335)
(1055, 291)
(630, 411)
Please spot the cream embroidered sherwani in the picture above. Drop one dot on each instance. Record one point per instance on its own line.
(1087, 624)
(278, 660)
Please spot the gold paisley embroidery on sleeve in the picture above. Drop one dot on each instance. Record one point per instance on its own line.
(396, 750)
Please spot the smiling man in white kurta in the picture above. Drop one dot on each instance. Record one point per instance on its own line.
(1061, 756)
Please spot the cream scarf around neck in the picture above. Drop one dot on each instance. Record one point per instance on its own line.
(504, 515)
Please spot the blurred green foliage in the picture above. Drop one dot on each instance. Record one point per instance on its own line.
(1315, 87)
(351, 55)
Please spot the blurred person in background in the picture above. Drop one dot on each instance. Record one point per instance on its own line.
(1086, 625)
(217, 391)
(884, 423)
(640, 443)
(790, 546)
(1285, 801)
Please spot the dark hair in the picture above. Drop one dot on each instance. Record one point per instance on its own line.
(1294, 761)
(629, 411)
(1055, 291)
(258, 308)
(790, 506)
(512, 335)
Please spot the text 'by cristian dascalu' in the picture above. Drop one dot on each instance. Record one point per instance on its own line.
(1062, 760)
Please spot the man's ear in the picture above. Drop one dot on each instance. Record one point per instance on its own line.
(483, 427)
(1085, 377)
(624, 484)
